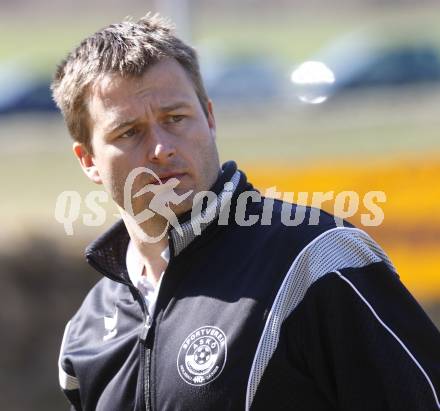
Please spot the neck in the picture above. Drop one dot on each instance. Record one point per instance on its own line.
(150, 239)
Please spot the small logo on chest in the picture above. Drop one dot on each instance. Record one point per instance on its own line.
(202, 356)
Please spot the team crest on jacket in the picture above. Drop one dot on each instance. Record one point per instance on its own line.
(202, 355)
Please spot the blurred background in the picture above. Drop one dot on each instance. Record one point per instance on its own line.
(363, 117)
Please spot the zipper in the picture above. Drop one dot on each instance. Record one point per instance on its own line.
(147, 379)
(143, 337)
(146, 354)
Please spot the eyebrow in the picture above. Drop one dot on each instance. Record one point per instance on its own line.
(174, 106)
(122, 125)
(132, 121)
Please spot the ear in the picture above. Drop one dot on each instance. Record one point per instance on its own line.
(87, 162)
(211, 118)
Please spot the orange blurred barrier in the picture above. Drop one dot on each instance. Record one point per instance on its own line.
(410, 231)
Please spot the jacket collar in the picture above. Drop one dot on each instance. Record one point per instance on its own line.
(108, 252)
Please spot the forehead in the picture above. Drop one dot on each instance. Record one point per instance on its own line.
(163, 83)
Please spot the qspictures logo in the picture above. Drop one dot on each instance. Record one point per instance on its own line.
(163, 196)
(202, 355)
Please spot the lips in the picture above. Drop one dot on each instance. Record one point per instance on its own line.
(167, 176)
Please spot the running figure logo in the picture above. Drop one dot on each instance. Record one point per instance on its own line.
(163, 196)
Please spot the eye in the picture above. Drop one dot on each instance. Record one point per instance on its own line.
(176, 118)
(132, 132)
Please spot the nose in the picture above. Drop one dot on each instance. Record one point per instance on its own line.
(162, 147)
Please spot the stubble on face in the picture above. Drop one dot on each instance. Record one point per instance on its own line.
(196, 151)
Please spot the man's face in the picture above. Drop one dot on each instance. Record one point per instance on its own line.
(154, 121)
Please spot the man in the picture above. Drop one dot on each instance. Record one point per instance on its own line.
(237, 309)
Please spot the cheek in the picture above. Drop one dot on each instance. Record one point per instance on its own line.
(108, 169)
(204, 160)
(113, 172)
(200, 141)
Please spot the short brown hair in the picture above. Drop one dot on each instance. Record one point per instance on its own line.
(128, 49)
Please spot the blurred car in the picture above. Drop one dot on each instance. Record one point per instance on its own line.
(227, 80)
(24, 92)
(364, 63)
(241, 79)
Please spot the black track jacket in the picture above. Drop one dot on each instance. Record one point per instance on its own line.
(306, 317)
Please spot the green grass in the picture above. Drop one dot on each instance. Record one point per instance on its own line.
(42, 45)
(288, 36)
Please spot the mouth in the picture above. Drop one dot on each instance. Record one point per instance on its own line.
(168, 176)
